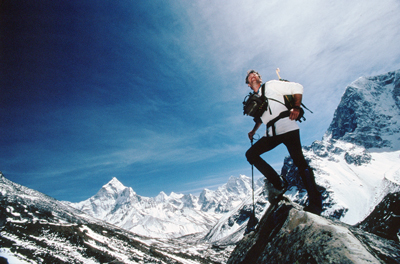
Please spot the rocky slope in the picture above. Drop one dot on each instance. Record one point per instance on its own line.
(287, 234)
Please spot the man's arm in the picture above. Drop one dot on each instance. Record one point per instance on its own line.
(254, 130)
(295, 111)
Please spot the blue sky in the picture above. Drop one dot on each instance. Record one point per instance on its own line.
(151, 92)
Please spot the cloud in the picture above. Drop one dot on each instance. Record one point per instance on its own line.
(307, 40)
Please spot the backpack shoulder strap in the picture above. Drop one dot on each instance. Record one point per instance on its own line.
(277, 101)
(266, 98)
(263, 90)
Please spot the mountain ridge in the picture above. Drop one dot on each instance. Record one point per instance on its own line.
(165, 216)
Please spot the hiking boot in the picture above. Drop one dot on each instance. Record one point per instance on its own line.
(274, 194)
(314, 196)
(314, 209)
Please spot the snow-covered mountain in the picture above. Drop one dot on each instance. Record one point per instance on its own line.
(358, 159)
(165, 216)
(35, 228)
(368, 114)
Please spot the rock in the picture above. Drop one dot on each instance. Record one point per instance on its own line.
(287, 234)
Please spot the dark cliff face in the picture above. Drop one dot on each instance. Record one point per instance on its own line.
(384, 220)
(287, 234)
(368, 111)
(345, 118)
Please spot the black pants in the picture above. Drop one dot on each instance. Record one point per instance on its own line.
(292, 143)
(265, 144)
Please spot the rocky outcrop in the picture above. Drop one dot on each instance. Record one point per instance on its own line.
(287, 234)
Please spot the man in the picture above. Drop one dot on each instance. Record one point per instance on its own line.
(281, 128)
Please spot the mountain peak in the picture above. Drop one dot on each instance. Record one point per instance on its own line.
(368, 113)
(115, 184)
(240, 185)
(175, 195)
(161, 197)
(113, 188)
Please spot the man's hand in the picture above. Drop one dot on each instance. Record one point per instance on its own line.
(254, 130)
(251, 134)
(294, 113)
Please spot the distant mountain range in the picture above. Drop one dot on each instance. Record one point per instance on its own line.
(166, 216)
(357, 164)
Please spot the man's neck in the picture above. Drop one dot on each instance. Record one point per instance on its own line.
(256, 87)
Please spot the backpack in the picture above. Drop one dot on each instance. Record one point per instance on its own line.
(255, 105)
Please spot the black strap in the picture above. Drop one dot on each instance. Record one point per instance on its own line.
(287, 106)
(276, 101)
(306, 108)
(272, 122)
(266, 98)
(263, 90)
(283, 114)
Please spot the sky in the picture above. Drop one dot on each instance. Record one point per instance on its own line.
(151, 92)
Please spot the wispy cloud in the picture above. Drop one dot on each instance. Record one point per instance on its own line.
(313, 42)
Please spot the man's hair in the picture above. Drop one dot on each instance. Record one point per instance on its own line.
(250, 72)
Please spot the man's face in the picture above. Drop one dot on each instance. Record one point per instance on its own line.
(253, 77)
